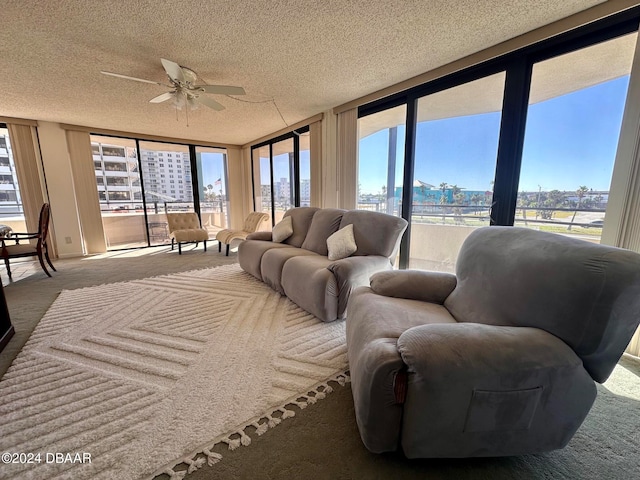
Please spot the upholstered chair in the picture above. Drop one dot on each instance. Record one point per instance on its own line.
(498, 359)
(251, 224)
(184, 227)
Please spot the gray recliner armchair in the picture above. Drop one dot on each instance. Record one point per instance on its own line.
(499, 359)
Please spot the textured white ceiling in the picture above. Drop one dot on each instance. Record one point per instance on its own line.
(308, 56)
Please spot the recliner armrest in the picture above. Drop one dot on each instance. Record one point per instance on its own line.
(352, 272)
(266, 236)
(432, 287)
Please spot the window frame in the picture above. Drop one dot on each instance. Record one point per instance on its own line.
(295, 135)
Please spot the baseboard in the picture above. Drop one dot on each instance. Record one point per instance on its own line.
(69, 255)
(6, 337)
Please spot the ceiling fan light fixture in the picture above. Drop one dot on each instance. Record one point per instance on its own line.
(190, 76)
(179, 100)
(186, 92)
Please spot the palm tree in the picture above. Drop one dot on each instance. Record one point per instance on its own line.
(459, 201)
(443, 198)
(550, 201)
(476, 198)
(523, 202)
(423, 193)
(582, 189)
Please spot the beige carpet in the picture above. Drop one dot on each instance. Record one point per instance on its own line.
(141, 373)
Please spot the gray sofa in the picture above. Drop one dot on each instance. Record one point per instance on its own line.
(499, 359)
(300, 269)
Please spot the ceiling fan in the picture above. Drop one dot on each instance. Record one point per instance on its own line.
(184, 90)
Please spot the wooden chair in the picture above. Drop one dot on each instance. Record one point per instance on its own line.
(28, 249)
(251, 224)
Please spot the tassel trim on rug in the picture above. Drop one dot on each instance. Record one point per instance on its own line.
(261, 424)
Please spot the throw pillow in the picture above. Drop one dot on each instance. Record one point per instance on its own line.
(342, 243)
(282, 230)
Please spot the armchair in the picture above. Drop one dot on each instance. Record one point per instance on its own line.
(185, 228)
(251, 224)
(499, 359)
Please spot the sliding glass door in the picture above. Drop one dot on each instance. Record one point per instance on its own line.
(284, 187)
(169, 190)
(305, 169)
(282, 174)
(211, 164)
(139, 182)
(262, 179)
(117, 172)
(455, 162)
(381, 141)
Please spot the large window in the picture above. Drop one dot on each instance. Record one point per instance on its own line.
(305, 169)
(262, 179)
(528, 139)
(116, 168)
(213, 188)
(138, 182)
(281, 174)
(571, 138)
(381, 160)
(11, 212)
(455, 163)
(166, 171)
(284, 187)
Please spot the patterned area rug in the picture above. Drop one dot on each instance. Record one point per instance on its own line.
(147, 374)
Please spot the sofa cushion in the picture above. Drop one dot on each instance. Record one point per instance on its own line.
(190, 235)
(375, 233)
(250, 254)
(273, 262)
(282, 231)
(341, 244)
(301, 219)
(308, 283)
(325, 222)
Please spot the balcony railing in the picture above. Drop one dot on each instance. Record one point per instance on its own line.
(124, 226)
(588, 221)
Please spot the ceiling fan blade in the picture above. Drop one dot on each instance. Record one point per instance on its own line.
(173, 70)
(162, 98)
(132, 78)
(221, 89)
(209, 102)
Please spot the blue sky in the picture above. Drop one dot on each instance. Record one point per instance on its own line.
(570, 141)
(212, 170)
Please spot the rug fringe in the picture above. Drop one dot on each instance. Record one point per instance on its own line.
(239, 437)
